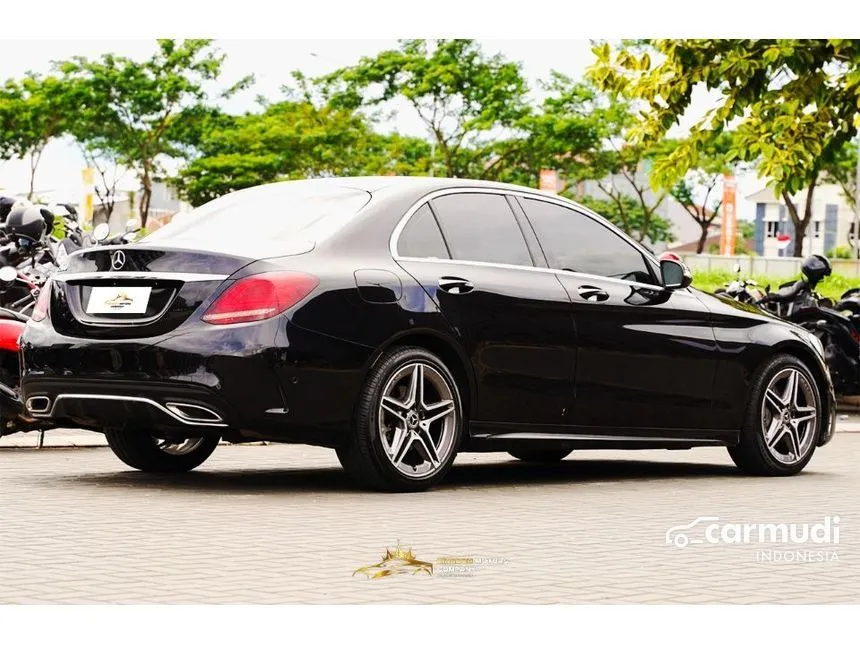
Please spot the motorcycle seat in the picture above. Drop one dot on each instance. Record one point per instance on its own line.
(786, 293)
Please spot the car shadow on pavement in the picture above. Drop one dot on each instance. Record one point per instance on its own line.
(494, 474)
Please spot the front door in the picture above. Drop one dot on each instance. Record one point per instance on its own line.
(513, 320)
(646, 356)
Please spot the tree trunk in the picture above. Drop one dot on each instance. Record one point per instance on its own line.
(35, 156)
(145, 197)
(703, 237)
(800, 225)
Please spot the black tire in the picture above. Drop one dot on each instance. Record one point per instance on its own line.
(547, 456)
(138, 449)
(751, 454)
(363, 457)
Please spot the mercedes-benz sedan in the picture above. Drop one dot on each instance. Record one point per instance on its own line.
(400, 321)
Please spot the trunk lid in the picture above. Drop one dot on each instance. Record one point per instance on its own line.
(135, 291)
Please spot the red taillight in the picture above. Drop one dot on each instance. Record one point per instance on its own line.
(258, 297)
(40, 310)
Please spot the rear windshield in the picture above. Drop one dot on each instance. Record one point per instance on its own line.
(265, 221)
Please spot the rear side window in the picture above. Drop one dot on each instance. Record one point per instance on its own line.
(573, 241)
(421, 237)
(481, 227)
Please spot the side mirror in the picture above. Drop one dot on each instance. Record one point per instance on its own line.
(8, 275)
(101, 232)
(737, 267)
(132, 225)
(676, 275)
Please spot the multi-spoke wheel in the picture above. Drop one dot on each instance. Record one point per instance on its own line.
(783, 420)
(408, 425)
(144, 451)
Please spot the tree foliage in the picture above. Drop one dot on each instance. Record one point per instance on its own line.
(699, 190)
(291, 140)
(792, 104)
(33, 111)
(462, 96)
(130, 109)
(606, 156)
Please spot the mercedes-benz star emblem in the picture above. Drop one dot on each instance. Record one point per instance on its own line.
(117, 260)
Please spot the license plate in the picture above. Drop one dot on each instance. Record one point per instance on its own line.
(118, 300)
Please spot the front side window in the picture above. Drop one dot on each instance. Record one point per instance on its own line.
(573, 241)
(481, 227)
(421, 237)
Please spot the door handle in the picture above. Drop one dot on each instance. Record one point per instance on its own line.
(455, 286)
(592, 294)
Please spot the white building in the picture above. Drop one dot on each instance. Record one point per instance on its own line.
(832, 221)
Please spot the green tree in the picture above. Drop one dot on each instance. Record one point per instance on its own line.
(131, 109)
(698, 191)
(290, 140)
(843, 171)
(794, 104)
(463, 97)
(617, 167)
(559, 134)
(33, 111)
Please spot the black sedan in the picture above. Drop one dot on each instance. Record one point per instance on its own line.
(402, 320)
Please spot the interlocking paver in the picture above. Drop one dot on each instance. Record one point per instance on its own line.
(280, 524)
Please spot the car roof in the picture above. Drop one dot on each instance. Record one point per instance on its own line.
(402, 184)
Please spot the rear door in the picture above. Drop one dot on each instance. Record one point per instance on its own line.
(469, 252)
(646, 356)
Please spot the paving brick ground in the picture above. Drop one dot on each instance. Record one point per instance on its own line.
(280, 524)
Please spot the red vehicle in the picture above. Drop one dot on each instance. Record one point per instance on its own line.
(13, 417)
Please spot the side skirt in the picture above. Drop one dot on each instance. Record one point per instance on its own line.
(491, 439)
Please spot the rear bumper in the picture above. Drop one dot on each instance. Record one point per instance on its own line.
(266, 381)
(99, 404)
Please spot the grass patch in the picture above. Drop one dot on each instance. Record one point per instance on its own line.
(831, 287)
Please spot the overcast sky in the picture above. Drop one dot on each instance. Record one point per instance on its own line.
(271, 62)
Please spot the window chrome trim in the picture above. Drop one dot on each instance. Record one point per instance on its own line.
(497, 265)
(552, 199)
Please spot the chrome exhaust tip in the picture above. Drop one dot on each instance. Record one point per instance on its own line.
(38, 404)
(193, 413)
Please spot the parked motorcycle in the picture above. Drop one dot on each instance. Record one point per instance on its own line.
(27, 245)
(837, 326)
(13, 414)
(102, 236)
(743, 289)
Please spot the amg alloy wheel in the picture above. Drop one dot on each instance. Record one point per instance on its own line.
(789, 416)
(408, 425)
(143, 451)
(416, 420)
(783, 420)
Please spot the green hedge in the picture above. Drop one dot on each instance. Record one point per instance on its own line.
(831, 287)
